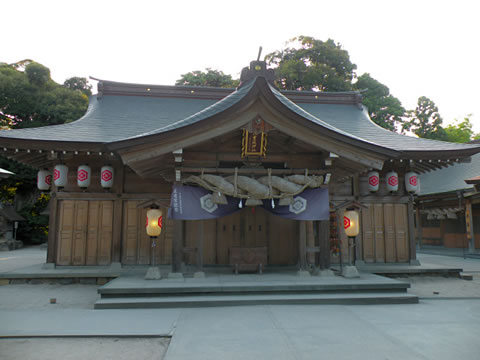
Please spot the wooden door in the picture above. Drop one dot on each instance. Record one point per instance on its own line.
(385, 233)
(368, 234)
(401, 232)
(282, 240)
(136, 244)
(84, 232)
(99, 233)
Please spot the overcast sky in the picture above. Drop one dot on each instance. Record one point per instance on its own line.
(416, 48)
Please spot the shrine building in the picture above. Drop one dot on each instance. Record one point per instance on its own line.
(254, 172)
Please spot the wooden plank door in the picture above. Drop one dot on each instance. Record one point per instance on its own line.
(401, 232)
(378, 215)
(390, 236)
(66, 213)
(282, 240)
(100, 233)
(80, 225)
(229, 231)
(137, 245)
(368, 238)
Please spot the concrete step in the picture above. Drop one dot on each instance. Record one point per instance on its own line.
(122, 287)
(370, 298)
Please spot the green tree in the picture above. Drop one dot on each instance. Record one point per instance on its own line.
(37, 74)
(212, 78)
(384, 109)
(78, 83)
(311, 64)
(425, 121)
(460, 131)
(30, 98)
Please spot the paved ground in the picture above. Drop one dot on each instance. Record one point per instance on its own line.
(442, 326)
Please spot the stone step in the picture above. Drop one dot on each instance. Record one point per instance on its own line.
(370, 298)
(122, 287)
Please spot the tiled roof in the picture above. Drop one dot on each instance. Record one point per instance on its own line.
(451, 178)
(112, 118)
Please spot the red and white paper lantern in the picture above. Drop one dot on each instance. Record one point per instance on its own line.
(106, 177)
(373, 181)
(392, 181)
(60, 175)
(154, 222)
(84, 176)
(44, 180)
(411, 182)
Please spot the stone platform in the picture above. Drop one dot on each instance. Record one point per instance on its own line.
(221, 288)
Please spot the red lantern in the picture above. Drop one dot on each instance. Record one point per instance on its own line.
(411, 182)
(106, 177)
(44, 180)
(154, 222)
(84, 176)
(373, 181)
(60, 175)
(392, 181)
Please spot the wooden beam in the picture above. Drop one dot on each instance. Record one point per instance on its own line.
(118, 215)
(52, 231)
(200, 241)
(249, 171)
(302, 245)
(419, 226)
(411, 230)
(177, 246)
(310, 243)
(324, 244)
(469, 226)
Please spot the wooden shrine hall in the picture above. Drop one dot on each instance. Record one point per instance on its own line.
(255, 173)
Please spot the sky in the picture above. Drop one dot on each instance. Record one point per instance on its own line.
(416, 48)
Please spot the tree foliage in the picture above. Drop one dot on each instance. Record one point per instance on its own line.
(460, 131)
(31, 98)
(78, 83)
(211, 78)
(312, 64)
(425, 121)
(384, 109)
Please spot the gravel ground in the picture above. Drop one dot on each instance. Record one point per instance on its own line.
(83, 348)
(440, 287)
(32, 297)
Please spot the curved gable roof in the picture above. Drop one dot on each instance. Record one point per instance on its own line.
(117, 117)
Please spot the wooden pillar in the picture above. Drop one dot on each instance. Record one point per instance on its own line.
(324, 244)
(419, 226)
(310, 243)
(177, 246)
(469, 226)
(302, 245)
(52, 230)
(411, 230)
(118, 215)
(200, 240)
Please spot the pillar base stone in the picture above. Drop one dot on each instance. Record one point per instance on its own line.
(153, 273)
(350, 272)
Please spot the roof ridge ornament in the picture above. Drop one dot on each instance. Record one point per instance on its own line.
(257, 68)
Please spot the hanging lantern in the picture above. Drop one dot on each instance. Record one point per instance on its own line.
(84, 175)
(411, 182)
(373, 181)
(351, 223)
(392, 181)
(154, 222)
(44, 180)
(106, 177)
(60, 175)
